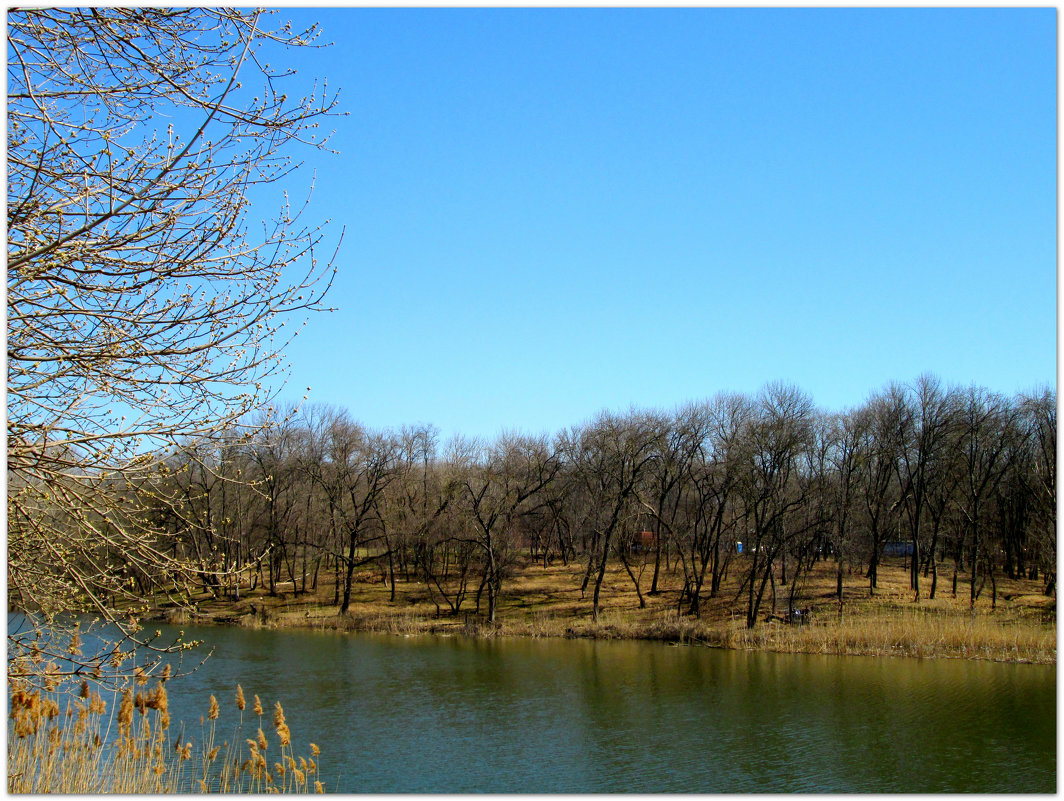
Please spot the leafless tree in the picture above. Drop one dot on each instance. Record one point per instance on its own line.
(925, 435)
(886, 416)
(1039, 417)
(769, 485)
(714, 476)
(845, 433)
(144, 307)
(663, 489)
(363, 464)
(500, 484)
(985, 419)
(611, 456)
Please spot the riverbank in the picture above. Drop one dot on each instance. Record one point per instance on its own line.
(1018, 626)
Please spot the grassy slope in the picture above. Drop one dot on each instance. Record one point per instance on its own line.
(547, 602)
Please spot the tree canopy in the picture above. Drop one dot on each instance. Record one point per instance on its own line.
(145, 307)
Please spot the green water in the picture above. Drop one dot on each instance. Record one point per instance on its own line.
(432, 714)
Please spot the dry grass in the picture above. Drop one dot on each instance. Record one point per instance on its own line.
(72, 752)
(916, 631)
(543, 601)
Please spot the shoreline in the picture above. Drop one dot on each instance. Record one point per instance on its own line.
(756, 642)
(1020, 626)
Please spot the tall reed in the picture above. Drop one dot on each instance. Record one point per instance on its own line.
(86, 749)
(915, 631)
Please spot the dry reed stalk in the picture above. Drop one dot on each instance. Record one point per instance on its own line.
(918, 632)
(72, 753)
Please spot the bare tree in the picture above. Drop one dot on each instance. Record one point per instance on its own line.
(845, 434)
(361, 466)
(985, 419)
(663, 489)
(927, 426)
(713, 481)
(611, 455)
(769, 485)
(886, 416)
(404, 511)
(272, 456)
(500, 484)
(143, 307)
(1039, 416)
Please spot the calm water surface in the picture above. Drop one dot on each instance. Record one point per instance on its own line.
(447, 714)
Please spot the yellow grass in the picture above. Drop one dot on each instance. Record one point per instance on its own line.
(547, 602)
(60, 744)
(917, 632)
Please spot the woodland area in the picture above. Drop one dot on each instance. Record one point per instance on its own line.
(161, 257)
(147, 322)
(961, 481)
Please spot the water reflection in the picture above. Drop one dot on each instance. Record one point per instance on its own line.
(452, 715)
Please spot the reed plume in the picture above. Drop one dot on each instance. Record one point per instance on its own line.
(46, 756)
(283, 734)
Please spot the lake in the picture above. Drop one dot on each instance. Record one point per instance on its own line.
(454, 715)
(448, 714)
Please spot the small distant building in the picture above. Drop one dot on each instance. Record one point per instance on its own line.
(898, 548)
(644, 541)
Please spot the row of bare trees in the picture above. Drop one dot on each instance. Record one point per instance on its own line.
(961, 480)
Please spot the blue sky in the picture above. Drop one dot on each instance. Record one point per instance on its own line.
(550, 212)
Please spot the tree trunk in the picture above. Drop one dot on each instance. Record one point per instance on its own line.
(635, 581)
(493, 584)
(657, 562)
(993, 582)
(598, 579)
(914, 569)
(349, 574)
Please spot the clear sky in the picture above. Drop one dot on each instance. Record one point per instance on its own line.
(551, 212)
